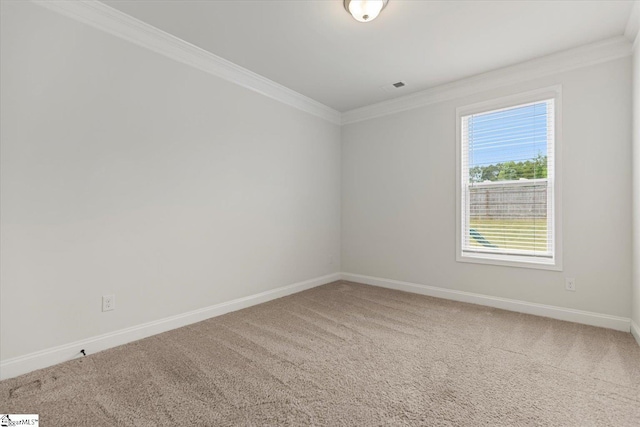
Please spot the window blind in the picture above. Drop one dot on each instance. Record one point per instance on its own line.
(507, 181)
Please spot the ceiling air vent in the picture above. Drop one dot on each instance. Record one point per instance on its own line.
(394, 86)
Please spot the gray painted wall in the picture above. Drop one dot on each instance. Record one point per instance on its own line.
(635, 300)
(399, 197)
(126, 173)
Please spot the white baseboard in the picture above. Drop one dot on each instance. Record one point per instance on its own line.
(561, 313)
(23, 364)
(635, 331)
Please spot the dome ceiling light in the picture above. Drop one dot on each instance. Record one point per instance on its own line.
(365, 10)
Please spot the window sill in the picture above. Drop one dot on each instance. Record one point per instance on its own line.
(511, 261)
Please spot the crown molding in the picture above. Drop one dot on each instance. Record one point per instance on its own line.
(591, 54)
(119, 24)
(105, 18)
(633, 24)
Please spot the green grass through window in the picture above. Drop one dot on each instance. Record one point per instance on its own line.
(524, 234)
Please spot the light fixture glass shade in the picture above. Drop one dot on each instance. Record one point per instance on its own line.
(364, 10)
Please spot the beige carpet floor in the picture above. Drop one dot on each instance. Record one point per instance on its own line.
(353, 355)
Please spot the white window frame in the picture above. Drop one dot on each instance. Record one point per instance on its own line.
(554, 263)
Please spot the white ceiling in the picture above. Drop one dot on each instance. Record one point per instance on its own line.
(318, 50)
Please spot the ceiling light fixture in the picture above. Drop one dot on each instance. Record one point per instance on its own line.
(365, 10)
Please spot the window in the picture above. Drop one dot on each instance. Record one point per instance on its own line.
(508, 204)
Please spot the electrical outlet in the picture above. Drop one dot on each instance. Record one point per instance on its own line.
(108, 302)
(330, 259)
(570, 284)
